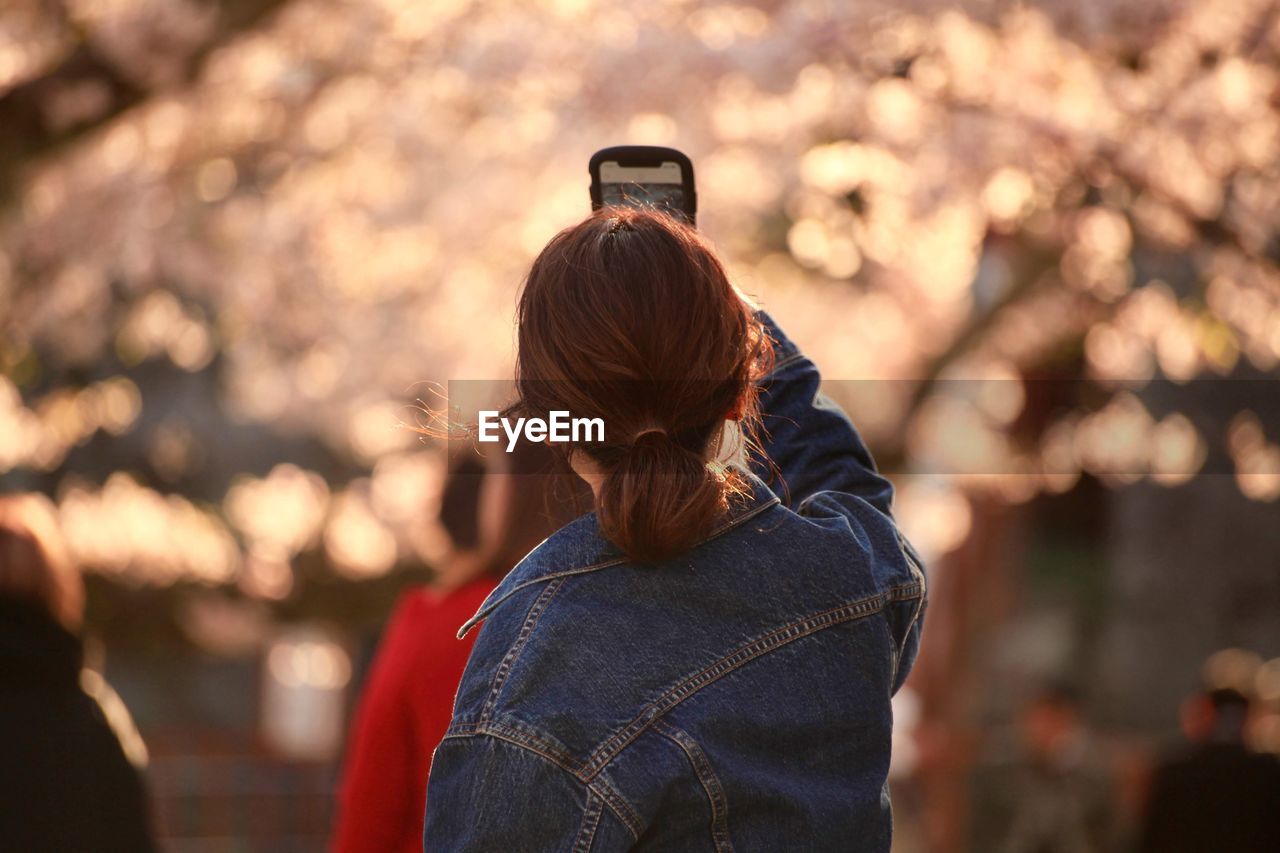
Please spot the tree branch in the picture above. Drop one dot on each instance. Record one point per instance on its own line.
(87, 92)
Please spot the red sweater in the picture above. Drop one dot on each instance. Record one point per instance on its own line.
(404, 710)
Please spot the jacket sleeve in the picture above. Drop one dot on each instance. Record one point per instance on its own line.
(488, 794)
(826, 469)
(808, 437)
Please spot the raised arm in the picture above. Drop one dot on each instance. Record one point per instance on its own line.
(819, 453)
(808, 437)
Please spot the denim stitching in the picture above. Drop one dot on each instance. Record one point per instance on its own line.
(619, 806)
(906, 591)
(490, 603)
(590, 822)
(918, 573)
(707, 778)
(504, 668)
(743, 655)
(488, 607)
(902, 592)
(895, 651)
(559, 756)
(558, 753)
(522, 736)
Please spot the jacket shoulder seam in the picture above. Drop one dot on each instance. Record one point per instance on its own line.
(536, 610)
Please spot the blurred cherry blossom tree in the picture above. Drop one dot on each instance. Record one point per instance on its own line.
(238, 235)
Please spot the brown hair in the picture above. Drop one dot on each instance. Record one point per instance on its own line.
(629, 317)
(34, 564)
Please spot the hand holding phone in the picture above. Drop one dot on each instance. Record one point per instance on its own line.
(644, 175)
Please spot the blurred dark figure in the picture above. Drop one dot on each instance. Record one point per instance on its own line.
(494, 515)
(65, 781)
(1214, 793)
(1056, 794)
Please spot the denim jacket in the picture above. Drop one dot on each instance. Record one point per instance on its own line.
(736, 697)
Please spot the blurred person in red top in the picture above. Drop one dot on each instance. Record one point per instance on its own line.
(494, 516)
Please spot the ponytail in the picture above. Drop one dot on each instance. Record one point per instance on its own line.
(658, 498)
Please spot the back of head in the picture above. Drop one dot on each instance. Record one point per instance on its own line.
(34, 565)
(630, 318)
(460, 500)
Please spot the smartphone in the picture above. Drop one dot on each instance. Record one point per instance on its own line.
(644, 175)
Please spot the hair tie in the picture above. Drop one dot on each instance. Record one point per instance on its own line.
(650, 430)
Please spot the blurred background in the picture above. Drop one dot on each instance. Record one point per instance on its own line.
(1032, 245)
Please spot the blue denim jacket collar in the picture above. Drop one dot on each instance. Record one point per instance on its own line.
(579, 548)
